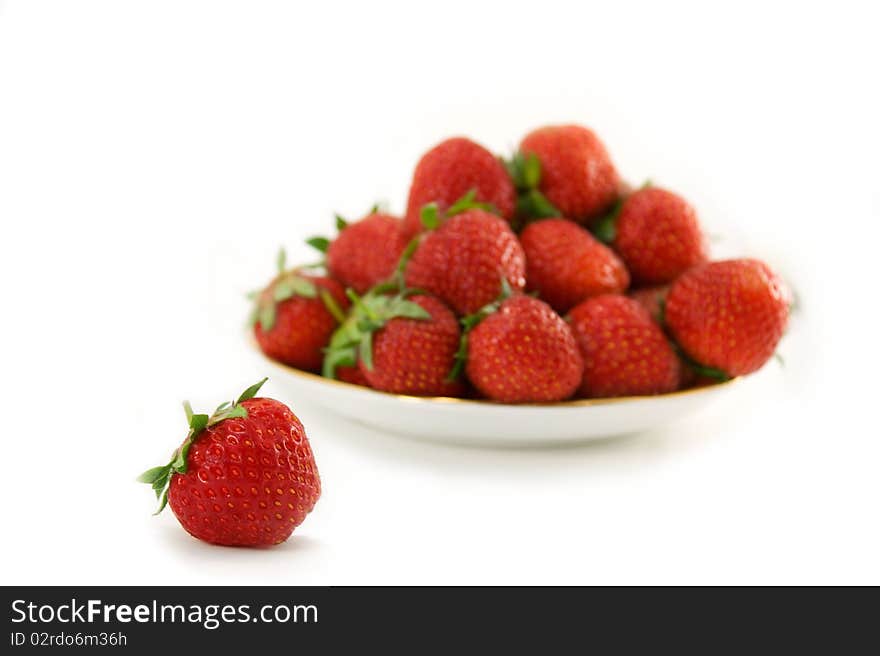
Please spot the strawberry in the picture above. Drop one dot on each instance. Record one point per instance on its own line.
(521, 351)
(365, 252)
(413, 356)
(402, 343)
(463, 261)
(564, 170)
(728, 316)
(652, 299)
(352, 375)
(245, 476)
(657, 234)
(450, 169)
(565, 264)
(625, 351)
(295, 316)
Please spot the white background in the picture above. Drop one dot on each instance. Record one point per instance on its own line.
(154, 155)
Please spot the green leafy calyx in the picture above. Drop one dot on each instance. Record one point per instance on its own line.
(353, 339)
(605, 229)
(159, 478)
(470, 321)
(525, 171)
(285, 286)
(431, 216)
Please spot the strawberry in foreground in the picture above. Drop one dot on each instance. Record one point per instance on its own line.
(521, 351)
(402, 343)
(464, 260)
(450, 169)
(245, 476)
(625, 351)
(365, 252)
(656, 233)
(728, 316)
(566, 168)
(294, 317)
(565, 264)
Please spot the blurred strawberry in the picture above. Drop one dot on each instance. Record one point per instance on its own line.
(521, 351)
(565, 264)
(294, 317)
(365, 252)
(625, 351)
(652, 299)
(656, 233)
(728, 316)
(450, 169)
(352, 375)
(564, 170)
(463, 261)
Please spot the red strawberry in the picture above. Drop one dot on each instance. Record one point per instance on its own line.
(295, 316)
(400, 343)
(365, 252)
(416, 356)
(652, 299)
(565, 264)
(463, 261)
(352, 375)
(657, 234)
(523, 353)
(244, 476)
(625, 351)
(570, 168)
(728, 316)
(450, 169)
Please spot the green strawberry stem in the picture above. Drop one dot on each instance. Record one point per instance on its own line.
(286, 285)
(405, 257)
(470, 321)
(320, 244)
(353, 339)
(525, 171)
(702, 370)
(332, 306)
(431, 216)
(159, 478)
(469, 202)
(605, 229)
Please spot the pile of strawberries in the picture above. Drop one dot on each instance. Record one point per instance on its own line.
(532, 280)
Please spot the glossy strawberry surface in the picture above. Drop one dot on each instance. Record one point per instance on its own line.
(577, 174)
(250, 481)
(658, 236)
(565, 264)
(625, 351)
(729, 315)
(524, 353)
(416, 356)
(302, 326)
(366, 252)
(463, 261)
(451, 169)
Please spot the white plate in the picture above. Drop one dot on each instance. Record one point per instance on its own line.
(463, 421)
